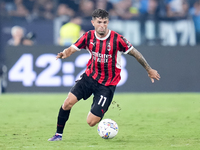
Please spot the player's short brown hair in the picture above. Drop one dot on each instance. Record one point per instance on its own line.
(100, 13)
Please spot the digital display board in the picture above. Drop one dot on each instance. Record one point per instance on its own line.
(36, 69)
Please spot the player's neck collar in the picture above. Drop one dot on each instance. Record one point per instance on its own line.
(103, 37)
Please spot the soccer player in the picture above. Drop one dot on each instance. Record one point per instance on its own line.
(103, 70)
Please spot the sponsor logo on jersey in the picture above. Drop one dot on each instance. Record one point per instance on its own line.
(103, 58)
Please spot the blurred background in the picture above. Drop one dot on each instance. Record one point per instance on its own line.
(167, 32)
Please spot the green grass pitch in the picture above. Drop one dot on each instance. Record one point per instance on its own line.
(147, 121)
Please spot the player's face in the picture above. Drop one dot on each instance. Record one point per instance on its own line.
(101, 26)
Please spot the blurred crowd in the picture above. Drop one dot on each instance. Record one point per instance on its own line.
(31, 10)
(75, 12)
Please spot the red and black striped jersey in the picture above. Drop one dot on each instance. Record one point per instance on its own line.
(105, 62)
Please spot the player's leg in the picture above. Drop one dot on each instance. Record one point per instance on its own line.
(63, 116)
(79, 90)
(103, 96)
(64, 112)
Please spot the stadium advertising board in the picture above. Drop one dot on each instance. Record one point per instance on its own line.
(35, 69)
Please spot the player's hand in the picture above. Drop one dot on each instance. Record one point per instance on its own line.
(61, 55)
(153, 74)
(66, 53)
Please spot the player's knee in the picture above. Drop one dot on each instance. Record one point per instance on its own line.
(92, 119)
(69, 101)
(67, 105)
(91, 123)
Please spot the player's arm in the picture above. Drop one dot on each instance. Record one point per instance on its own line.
(66, 53)
(153, 74)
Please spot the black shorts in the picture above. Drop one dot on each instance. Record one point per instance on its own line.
(103, 95)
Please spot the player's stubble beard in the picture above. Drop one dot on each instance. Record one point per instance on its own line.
(102, 33)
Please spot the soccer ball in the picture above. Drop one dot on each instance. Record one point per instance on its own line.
(107, 128)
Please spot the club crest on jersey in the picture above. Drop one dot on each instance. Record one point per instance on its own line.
(108, 47)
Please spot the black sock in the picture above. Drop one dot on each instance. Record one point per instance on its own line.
(62, 118)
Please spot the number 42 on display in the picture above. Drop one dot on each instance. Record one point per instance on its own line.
(23, 70)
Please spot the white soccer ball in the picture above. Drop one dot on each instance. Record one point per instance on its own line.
(107, 128)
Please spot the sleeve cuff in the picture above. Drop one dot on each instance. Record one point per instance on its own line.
(74, 46)
(128, 50)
